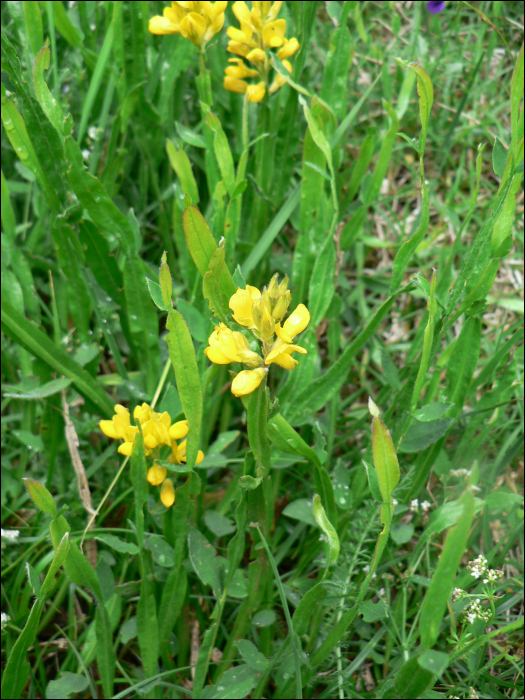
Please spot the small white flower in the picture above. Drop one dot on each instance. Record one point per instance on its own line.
(425, 505)
(414, 505)
(10, 535)
(92, 132)
(86, 153)
(457, 594)
(5, 619)
(394, 502)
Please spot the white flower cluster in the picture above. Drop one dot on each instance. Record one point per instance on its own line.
(493, 575)
(10, 536)
(415, 506)
(5, 619)
(457, 594)
(477, 566)
(476, 611)
(460, 472)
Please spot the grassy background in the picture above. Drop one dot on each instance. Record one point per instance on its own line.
(69, 275)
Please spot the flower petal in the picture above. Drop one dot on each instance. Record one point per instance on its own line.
(179, 430)
(247, 381)
(167, 493)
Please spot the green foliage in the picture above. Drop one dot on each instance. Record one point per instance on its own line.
(313, 552)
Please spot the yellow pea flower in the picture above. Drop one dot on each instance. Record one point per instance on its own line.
(281, 354)
(235, 85)
(241, 304)
(294, 324)
(240, 70)
(167, 493)
(247, 381)
(178, 453)
(156, 474)
(196, 21)
(260, 31)
(227, 346)
(120, 428)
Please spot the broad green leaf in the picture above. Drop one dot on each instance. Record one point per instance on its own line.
(328, 530)
(117, 544)
(373, 482)
(93, 197)
(372, 612)
(462, 364)
(385, 458)
(182, 166)
(264, 618)
(402, 533)
(412, 680)
(431, 412)
(34, 28)
(434, 661)
(285, 438)
(321, 289)
(222, 153)
(238, 682)
(41, 497)
(335, 77)
(303, 613)
(435, 603)
(257, 435)
(162, 552)
(214, 288)
(48, 103)
(219, 524)
(69, 683)
(312, 185)
(128, 630)
(34, 580)
(252, 656)
(301, 509)
(204, 560)
(51, 388)
(421, 435)
(183, 360)
(17, 134)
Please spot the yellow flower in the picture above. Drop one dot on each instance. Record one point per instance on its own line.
(157, 431)
(196, 21)
(227, 346)
(247, 381)
(167, 493)
(240, 70)
(261, 312)
(260, 31)
(241, 304)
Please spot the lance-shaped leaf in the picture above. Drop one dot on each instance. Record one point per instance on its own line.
(385, 458)
(182, 166)
(184, 362)
(43, 500)
(329, 531)
(435, 603)
(426, 97)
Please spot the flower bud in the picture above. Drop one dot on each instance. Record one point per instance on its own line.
(156, 475)
(167, 493)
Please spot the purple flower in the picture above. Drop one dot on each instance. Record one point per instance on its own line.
(435, 7)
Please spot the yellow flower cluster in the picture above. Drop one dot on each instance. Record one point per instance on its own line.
(260, 31)
(196, 21)
(157, 431)
(262, 313)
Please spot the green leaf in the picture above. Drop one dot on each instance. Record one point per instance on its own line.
(183, 360)
(426, 97)
(222, 152)
(147, 627)
(38, 343)
(48, 103)
(385, 458)
(215, 286)
(51, 388)
(285, 438)
(385, 154)
(434, 661)
(34, 28)
(65, 26)
(421, 435)
(516, 94)
(204, 561)
(238, 682)
(435, 602)
(408, 248)
(462, 364)
(264, 618)
(301, 509)
(372, 612)
(499, 158)
(411, 680)
(249, 483)
(252, 656)
(335, 77)
(328, 530)
(361, 165)
(67, 684)
(117, 544)
(402, 533)
(321, 289)
(156, 294)
(431, 412)
(96, 200)
(41, 497)
(17, 134)
(128, 630)
(34, 580)
(182, 166)
(373, 482)
(219, 524)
